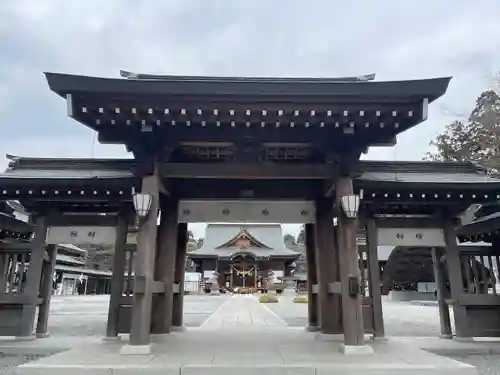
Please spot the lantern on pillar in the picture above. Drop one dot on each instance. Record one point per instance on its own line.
(142, 205)
(350, 205)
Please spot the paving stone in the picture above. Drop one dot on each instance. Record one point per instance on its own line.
(242, 311)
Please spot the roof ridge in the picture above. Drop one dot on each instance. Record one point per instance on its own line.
(169, 77)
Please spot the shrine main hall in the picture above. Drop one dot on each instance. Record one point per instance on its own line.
(243, 150)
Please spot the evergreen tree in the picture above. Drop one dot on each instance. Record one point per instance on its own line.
(289, 239)
(301, 238)
(476, 139)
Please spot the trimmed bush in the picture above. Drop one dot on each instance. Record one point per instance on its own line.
(268, 298)
(300, 299)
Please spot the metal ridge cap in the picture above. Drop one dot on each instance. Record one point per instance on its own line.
(260, 79)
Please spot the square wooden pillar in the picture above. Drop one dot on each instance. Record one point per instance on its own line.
(312, 279)
(374, 277)
(143, 273)
(327, 264)
(179, 275)
(118, 278)
(34, 276)
(43, 310)
(165, 267)
(444, 311)
(456, 278)
(352, 313)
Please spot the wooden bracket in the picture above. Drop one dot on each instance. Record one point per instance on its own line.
(335, 287)
(139, 285)
(158, 287)
(176, 288)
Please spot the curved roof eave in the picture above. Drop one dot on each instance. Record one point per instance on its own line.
(432, 89)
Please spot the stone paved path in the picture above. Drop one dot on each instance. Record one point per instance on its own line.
(243, 310)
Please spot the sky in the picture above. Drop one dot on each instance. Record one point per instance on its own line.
(395, 39)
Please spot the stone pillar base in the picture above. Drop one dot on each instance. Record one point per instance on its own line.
(111, 338)
(379, 338)
(25, 338)
(356, 349)
(136, 349)
(463, 339)
(179, 329)
(312, 329)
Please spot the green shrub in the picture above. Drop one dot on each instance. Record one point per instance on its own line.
(300, 299)
(268, 298)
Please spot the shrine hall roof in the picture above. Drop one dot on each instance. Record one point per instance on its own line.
(64, 84)
(270, 237)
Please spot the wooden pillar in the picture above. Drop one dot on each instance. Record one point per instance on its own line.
(179, 275)
(232, 275)
(33, 276)
(165, 267)
(312, 278)
(4, 264)
(43, 310)
(118, 278)
(352, 313)
(287, 272)
(456, 278)
(144, 268)
(330, 317)
(374, 277)
(444, 311)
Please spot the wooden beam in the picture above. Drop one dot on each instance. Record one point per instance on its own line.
(16, 246)
(61, 220)
(240, 189)
(408, 222)
(478, 300)
(250, 171)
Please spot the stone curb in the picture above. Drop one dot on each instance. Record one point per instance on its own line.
(459, 352)
(304, 369)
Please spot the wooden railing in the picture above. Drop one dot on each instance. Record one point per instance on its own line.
(13, 267)
(480, 272)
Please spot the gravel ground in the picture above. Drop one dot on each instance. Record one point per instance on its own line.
(400, 318)
(87, 315)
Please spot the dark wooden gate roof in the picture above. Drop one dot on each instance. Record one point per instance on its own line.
(282, 115)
